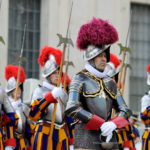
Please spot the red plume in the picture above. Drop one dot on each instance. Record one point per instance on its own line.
(46, 51)
(97, 32)
(12, 71)
(148, 68)
(63, 78)
(114, 59)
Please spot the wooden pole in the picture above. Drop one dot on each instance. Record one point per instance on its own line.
(121, 70)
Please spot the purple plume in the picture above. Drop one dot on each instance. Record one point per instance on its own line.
(96, 32)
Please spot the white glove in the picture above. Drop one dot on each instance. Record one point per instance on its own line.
(107, 128)
(16, 104)
(109, 137)
(9, 148)
(71, 147)
(57, 92)
(126, 148)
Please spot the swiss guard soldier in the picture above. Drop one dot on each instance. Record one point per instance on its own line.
(126, 135)
(23, 131)
(8, 120)
(112, 67)
(145, 114)
(43, 101)
(92, 93)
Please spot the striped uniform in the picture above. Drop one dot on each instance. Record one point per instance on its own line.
(8, 120)
(23, 132)
(41, 112)
(145, 117)
(127, 137)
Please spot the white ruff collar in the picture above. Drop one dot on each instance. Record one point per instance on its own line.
(18, 101)
(94, 71)
(48, 85)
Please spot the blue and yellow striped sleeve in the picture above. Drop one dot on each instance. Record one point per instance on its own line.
(10, 121)
(145, 117)
(38, 108)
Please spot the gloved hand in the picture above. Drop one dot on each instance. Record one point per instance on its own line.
(16, 104)
(108, 138)
(126, 148)
(57, 92)
(71, 147)
(9, 148)
(107, 128)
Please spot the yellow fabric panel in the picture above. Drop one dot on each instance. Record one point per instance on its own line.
(50, 143)
(22, 144)
(32, 126)
(144, 144)
(145, 135)
(0, 135)
(40, 135)
(45, 130)
(133, 135)
(120, 139)
(131, 144)
(11, 132)
(36, 117)
(147, 121)
(62, 135)
(124, 135)
(59, 145)
(17, 118)
(35, 103)
(36, 128)
(148, 142)
(43, 105)
(32, 139)
(1, 144)
(127, 128)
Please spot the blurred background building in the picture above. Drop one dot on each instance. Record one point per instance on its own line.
(46, 18)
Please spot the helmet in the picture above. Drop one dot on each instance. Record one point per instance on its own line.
(96, 37)
(49, 60)
(93, 51)
(148, 74)
(112, 66)
(11, 73)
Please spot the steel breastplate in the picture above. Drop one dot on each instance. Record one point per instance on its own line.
(39, 93)
(97, 95)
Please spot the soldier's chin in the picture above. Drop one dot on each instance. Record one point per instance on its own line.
(101, 69)
(55, 82)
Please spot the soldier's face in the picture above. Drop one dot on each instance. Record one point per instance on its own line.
(54, 77)
(18, 93)
(100, 61)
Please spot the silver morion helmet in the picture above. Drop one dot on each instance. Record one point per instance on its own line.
(11, 84)
(11, 75)
(49, 67)
(93, 51)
